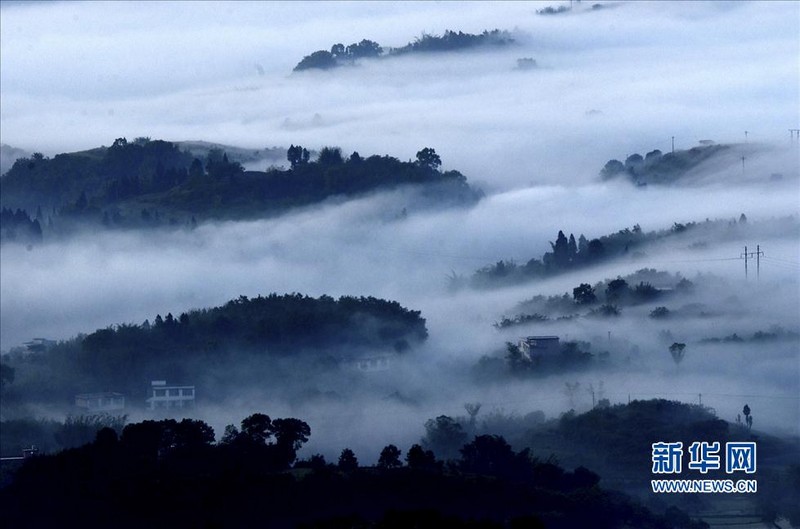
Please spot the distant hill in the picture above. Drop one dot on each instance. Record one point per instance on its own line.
(151, 183)
(658, 168)
(340, 55)
(249, 158)
(570, 254)
(9, 155)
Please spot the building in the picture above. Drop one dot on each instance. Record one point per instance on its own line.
(539, 346)
(100, 402)
(163, 395)
(39, 345)
(368, 364)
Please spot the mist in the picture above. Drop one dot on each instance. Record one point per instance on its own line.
(626, 78)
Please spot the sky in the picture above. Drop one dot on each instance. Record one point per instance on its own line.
(623, 79)
(613, 81)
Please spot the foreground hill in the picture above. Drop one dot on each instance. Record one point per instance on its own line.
(172, 474)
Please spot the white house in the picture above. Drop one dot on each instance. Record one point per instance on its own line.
(532, 346)
(100, 402)
(163, 395)
(369, 364)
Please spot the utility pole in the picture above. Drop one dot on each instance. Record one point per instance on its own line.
(700, 398)
(743, 158)
(749, 255)
(745, 136)
(673, 145)
(745, 262)
(759, 253)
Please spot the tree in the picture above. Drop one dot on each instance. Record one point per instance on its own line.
(572, 248)
(492, 455)
(595, 250)
(612, 169)
(634, 163)
(561, 254)
(418, 458)
(321, 59)
(571, 390)
(444, 436)
(617, 290)
(230, 435)
(515, 359)
(659, 312)
(347, 461)
(337, 50)
(390, 457)
(472, 409)
(192, 434)
(428, 159)
(297, 155)
(364, 49)
(330, 156)
(291, 433)
(257, 428)
(677, 352)
(748, 419)
(583, 294)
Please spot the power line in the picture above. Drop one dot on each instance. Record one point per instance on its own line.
(796, 263)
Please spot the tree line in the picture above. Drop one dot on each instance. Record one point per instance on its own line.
(173, 472)
(340, 54)
(310, 333)
(660, 168)
(152, 183)
(569, 254)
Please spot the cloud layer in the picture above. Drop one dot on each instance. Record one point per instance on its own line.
(619, 80)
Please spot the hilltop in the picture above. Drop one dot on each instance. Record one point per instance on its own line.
(152, 183)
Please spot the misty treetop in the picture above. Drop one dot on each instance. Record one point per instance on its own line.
(151, 183)
(340, 54)
(659, 168)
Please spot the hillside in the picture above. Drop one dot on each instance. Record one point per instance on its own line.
(317, 333)
(151, 183)
(341, 55)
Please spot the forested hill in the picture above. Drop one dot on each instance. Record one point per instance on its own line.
(263, 331)
(659, 168)
(570, 254)
(154, 183)
(341, 55)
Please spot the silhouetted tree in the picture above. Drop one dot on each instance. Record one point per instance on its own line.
(427, 158)
(347, 461)
(617, 290)
(677, 352)
(583, 294)
(418, 458)
(444, 436)
(319, 59)
(297, 155)
(612, 169)
(330, 156)
(390, 457)
(257, 428)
